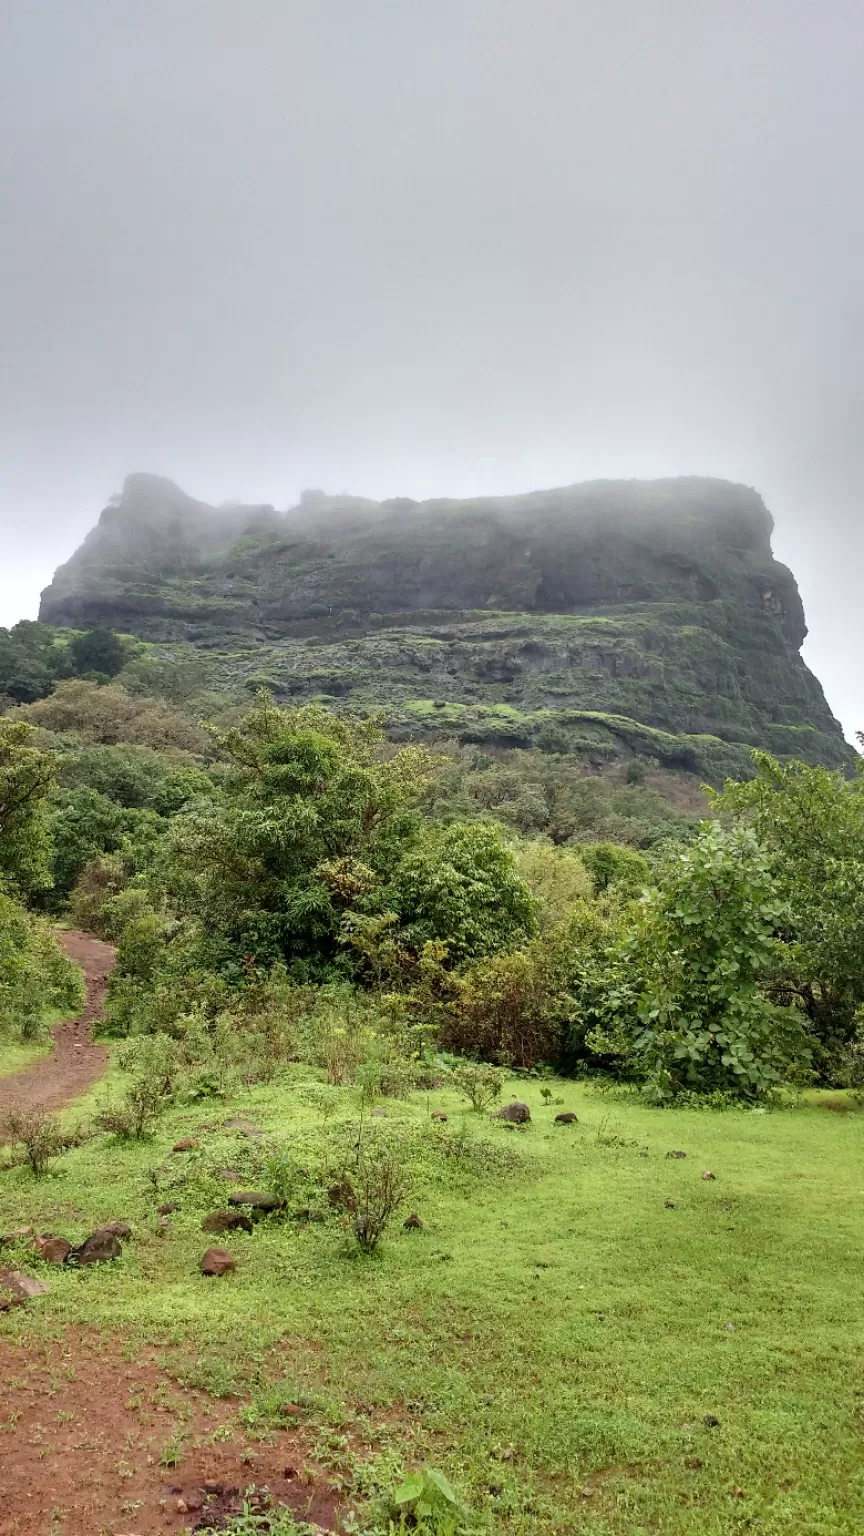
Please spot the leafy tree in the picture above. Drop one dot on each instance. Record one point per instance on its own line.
(460, 886)
(811, 822)
(314, 812)
(136, 777)
(107, 714)
(26, 778)
(97, 650)
(82, 824)
(685, 1005)
(612, 866)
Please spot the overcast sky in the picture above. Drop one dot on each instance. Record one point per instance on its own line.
(434, 247)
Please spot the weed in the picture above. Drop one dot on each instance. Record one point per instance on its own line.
(379, 1184)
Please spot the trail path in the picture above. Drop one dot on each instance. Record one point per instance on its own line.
(75, 1063)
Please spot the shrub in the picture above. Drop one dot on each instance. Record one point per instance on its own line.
(379, 1184)
(35, 1138)
(154, 1065)
(481, 1085)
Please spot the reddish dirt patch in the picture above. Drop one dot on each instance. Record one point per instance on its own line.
(85, 1433)
(75, 1063)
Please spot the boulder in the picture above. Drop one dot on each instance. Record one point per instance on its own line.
(17, 1287)
(568, 1118)
(516, 1113)
(53, 1250)
(98, 1248)
(257, 1199)
(119, 1228)
(226, 1221)
(187, 1145)
(412, 1223)
(217, 1262)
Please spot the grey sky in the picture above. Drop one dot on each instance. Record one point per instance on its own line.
(435, 247)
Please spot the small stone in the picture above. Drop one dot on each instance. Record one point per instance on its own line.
(586, 1492)
(245, 1127)
(217, 1262)
(730, 1328)
(711, 1421)
(226, 1221)
(98, 1248)
(708, 1174)
(182, 1507)
(438, 1114)
(187, 1145)
(119, 1228)
(694, 1463)
(670, 1205)
(516, 1113)
(381, 1114)
(643, 1152)
(230, 1175)
(53, 1250)
(258, 1199)
(676, 1154)
(341, 1196)
(568, 1118)
(167, 1209)
(164, 1223)
(412, 1223)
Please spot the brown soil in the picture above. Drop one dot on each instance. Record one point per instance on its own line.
(75, 1063)
(87, 1434)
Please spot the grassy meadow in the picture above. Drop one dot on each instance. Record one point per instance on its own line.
(586, 1335)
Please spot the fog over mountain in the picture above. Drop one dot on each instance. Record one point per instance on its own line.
(400, 249)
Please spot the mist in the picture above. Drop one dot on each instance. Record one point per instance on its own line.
(451, 249)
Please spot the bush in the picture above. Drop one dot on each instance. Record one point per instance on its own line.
(378, 1185)
(35, 1138)
(686, 1007)
(154, 1065)
(481, 1085)
(36, 978)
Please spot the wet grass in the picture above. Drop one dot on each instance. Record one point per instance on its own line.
(586, 1335)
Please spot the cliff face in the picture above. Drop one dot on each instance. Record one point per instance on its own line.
(657, 603)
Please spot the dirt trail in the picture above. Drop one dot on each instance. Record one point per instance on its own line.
(75, 1063)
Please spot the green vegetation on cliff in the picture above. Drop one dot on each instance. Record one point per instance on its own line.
(607, 619)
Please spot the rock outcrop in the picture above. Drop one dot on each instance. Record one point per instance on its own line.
(626, 612)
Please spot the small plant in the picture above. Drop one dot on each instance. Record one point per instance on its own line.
(479, 1083)
(546, 1095)
(379, 1186)
(426, 1502)
(35, 1138)
(154, 1064)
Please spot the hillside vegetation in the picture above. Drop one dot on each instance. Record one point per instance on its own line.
(608, 619)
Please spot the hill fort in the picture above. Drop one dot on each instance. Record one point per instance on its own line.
(609, 617)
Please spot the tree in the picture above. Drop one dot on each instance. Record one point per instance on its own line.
(686, 1008)
(314, 813)
(460, 886)
(26, 778)
(811, 822)
(97, 650)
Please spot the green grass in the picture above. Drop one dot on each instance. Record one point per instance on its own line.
(15, 1056)
(556, 1332)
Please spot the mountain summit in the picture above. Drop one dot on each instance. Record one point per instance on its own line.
(657, 603)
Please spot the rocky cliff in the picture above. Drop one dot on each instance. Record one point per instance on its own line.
(627, 613)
